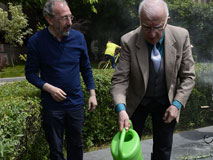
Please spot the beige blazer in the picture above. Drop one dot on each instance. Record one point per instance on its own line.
(130, 80)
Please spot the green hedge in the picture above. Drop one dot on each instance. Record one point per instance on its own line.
(19, 118)
(202, 95)
(21, 136)
(101, 125)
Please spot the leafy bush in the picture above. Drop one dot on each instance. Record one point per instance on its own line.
(101, 125)
(20, 123)
(19, 118)
(14, 28)
(202, 95)
(197, 18)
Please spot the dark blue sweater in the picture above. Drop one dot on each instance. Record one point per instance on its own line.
(59, 64)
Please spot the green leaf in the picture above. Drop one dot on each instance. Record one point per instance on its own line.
(1, 149)
(94, 9)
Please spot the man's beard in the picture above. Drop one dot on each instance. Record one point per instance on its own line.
(62, 31)
(66, 31)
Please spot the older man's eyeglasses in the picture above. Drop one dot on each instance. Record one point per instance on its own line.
(154, 29)
(67, 18)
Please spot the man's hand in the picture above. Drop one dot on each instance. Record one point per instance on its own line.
(92, 102)
(56, 93)
(170, 114)
(123, 120)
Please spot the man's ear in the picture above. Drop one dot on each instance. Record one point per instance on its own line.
(169, 18)
(49, 20)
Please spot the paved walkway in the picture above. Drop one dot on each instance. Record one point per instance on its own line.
(5, 80)
(188, 145)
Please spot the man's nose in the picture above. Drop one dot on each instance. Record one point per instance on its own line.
(152, 33)
(69, 22)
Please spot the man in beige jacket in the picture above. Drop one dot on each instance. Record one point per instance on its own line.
(155, 75)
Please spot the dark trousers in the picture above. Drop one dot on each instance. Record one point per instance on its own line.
(162, 132)
(112, 59)
(55, 123)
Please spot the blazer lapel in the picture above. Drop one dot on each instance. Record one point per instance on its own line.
(142, 56)
(170, 57)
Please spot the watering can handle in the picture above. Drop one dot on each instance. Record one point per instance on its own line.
(131, 126)
(122, 137)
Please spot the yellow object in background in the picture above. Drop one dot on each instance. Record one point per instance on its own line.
(110, 48)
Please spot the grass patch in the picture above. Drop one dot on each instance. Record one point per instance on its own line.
(16, 71)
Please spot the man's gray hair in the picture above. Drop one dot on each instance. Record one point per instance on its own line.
(144, 3)
(49, 7)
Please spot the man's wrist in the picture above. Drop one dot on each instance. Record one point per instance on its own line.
(177, 104)
(47, 87)
(120, 107)
(92, 92)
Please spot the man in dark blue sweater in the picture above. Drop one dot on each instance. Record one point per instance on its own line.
(56, 57)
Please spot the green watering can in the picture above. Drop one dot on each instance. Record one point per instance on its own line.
(126, 145)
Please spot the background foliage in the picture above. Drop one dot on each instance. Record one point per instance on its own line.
(115, 18)
(111, 19)
(198, 19)
(15, 28)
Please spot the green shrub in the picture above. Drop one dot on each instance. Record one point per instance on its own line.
(20, 118)
(101, 125)
(15, 28)
(202, 95)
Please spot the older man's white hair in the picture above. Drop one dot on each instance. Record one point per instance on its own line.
(146, 6)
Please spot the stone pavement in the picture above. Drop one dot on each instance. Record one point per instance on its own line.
(188, 145)
(6, 80)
